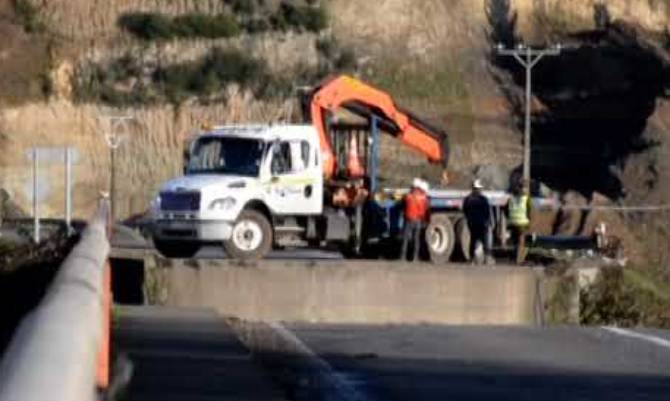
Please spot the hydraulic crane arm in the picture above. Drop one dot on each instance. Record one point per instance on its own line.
(366, 101)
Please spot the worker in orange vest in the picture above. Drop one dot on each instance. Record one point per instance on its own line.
(416, 215)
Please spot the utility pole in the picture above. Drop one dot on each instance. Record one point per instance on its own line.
(528, 58)
(113, 138)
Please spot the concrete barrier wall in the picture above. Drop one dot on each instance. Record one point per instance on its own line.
(352, 292)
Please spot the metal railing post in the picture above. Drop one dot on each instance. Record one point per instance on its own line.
(68, 189)
(36, 218)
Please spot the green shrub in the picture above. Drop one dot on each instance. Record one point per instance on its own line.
(314, 19)
(28, 16)
(245, 7)
(327, 47)
(336, 57)
(346, 60)
(199, 25)
(125, 81)
(290, 16)
(99, 83)
(153, 26)
(257, 25)
(148, 26)
(214, 72)
(247, 18)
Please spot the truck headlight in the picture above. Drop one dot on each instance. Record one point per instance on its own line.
(222, 204)
(156, 203)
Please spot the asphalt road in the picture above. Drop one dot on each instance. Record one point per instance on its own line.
(216, 252)
(126, 238)
(187, 355)
(494, 363)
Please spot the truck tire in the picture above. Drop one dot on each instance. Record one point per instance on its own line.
(251, 238)
(176, 249)
(440, 238)
(463, 238)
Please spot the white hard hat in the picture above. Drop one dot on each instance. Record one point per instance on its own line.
(423, 185)
(416, 183)
(477, 184)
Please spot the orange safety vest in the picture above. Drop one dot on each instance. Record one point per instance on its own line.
(416, 206)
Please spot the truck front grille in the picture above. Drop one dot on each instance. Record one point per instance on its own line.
(180, 201)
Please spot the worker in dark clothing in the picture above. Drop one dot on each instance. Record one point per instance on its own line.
(477, 210)
(416, 214)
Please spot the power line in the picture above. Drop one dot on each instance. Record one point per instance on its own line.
(638, 208)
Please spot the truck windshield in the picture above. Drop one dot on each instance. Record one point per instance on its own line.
(226, 155)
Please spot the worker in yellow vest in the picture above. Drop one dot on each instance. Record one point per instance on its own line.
(518, 215)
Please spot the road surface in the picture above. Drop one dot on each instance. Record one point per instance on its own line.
(125, 238)
(215, 252)
(189, 355)
(494, 363)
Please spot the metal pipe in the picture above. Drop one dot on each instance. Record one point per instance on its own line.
(53, 353)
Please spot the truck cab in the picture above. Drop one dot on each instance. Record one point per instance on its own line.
(240, 185)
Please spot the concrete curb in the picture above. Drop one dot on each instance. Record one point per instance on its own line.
(302, 373)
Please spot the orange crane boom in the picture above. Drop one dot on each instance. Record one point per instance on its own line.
(366, 101)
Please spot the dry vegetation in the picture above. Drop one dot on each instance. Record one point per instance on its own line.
(151, 154)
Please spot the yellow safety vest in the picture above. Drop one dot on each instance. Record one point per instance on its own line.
(518, 211)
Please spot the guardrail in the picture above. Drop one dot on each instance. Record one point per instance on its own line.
(60, 351)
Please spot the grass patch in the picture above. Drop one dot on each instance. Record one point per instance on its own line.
(645, 282)
(625, 297)
(442, 83)
(556, 21)
(436, 91)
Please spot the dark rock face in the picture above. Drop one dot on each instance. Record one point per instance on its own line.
(591, 106)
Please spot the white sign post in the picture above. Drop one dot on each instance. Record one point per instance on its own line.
(53, 155)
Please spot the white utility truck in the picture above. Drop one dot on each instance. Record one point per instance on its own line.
(243, 187)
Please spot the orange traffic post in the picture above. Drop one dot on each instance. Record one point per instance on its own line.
(102, 374)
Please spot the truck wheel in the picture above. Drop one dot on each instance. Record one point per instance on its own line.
(177, 249)
(463, 238)
(251, 238)
(440, 238)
